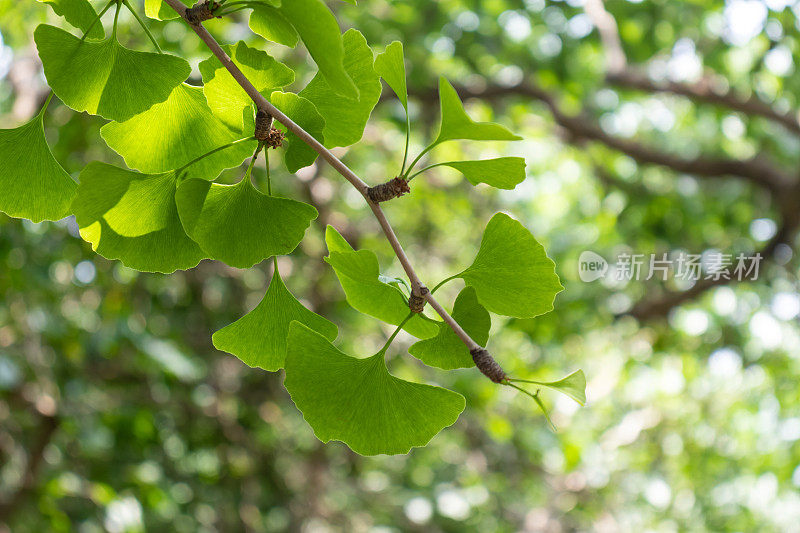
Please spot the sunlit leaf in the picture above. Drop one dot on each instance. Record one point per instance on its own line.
(132, 217)
(173, 133)
(160, 10)
(80, 14)
(298, 154)
(239, 225)
(503, 172)
(269, 23)
(32, 183)
(456, 124)
(259, 337)
(391, 67)
(358, 402)
(512, 274)
(345, 118)
(103, 77)
(359, 276)
(573, 385)
(446, 350)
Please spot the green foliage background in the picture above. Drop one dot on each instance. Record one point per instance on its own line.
(691, 422)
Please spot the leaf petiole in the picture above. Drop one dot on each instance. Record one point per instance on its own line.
(116, 19)
(396, 331)
(538, 401)
(211, 152)
(416, 160)
(97, 18)
(445, 280)
(143, 25)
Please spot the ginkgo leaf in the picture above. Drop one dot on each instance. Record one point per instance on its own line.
(359, 276)
(225, 96)
(80, 14)
(345, 118)
(390, 66)
(503, 172)
(456, 124)
(358, 402)
(32, 183)
(512, 274)
(269, 23)
(298, 154)
(159, 10)
(259, 337)
(320, 32)
(573, 385)
(239, 225)
(173, 133)
(105, 78)
(446, 350)
(132, 217)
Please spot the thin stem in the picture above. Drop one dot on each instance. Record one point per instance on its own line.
(230, 11)
(417, 173)
(97, 18)
(423, 152)
(46, 103)
(143, 25)
(396, 331)
(211, 152)
(538, 402)
(266, 164)
(252, 162)
(445, 280)
(116, 18)
(408, 137)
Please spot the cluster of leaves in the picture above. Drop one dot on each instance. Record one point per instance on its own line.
(167, 212)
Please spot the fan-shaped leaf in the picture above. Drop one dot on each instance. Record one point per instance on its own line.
(456, 124)
(390, 66)
(512, 274)
(298, 154)
(574, 386)
(259, 337)
(346, 118)
(239, 225)
(32, 183)
(173, 133)
(503, 172)
(78, 13)
(446, 350)
(269, 23)
(225, 96)
(359, 276)
(132, 217)
(358, 402)
(103, 77)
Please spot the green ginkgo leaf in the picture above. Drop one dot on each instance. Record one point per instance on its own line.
(391, 67)
(78, 13)
(503, 172)
(298, 154)
(32, 183)
(573, 385)
(456, 124)
(360, 278)
(105, 78)
(346, 118)
(512, 274)
(269, 23)
(225, 96)
(237, 224)
(446, 350)
(173, 133)
(320, 32)
(132, 217)
(259, 337)
(159, 10)
(358, 402)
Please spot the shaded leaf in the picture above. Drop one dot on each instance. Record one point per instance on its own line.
(391, 67)
(239, 225)
(173, 133)
(80, 14)
(358, 402)
(259, 337)
(269, 23)
(103, 77)
(345, 118)
(359, 276)
(298, 154)
(512, 274)
(32, 183)
(456, 124)
(446, 350)
(503, 172)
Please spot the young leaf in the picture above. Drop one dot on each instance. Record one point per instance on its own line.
(456, 124)
(157, 9)
(269, 23)
(226, 97)
(345, 119)
(446, 350)
(148, 235)
(32, 183)
(574, 385)
(239, 225)
(173, 133)
(298, 154)
(259, 337)
(320, 32)
(358, 402)
(103, 77)
(390, 66)
(78, 13)
(503, 172)
(512, 274)
(359, 276)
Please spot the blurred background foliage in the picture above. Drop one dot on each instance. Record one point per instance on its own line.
(117, 414)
